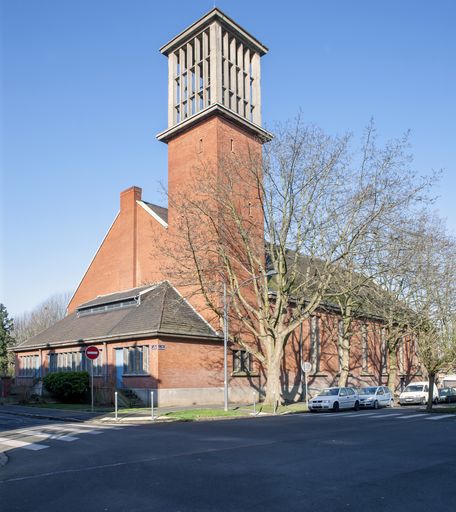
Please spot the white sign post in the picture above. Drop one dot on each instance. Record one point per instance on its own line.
(306, 367)
(92, 353)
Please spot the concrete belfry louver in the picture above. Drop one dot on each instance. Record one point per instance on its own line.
(214, 67)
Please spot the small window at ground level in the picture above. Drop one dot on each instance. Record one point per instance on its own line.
(242, 361)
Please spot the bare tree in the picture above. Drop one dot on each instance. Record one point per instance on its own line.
(391, 298)
(433, 298)
(40, 318)
(303, 211)
(388, 192)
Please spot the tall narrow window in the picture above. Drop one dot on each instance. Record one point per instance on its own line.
(314, 344)
(365, 349)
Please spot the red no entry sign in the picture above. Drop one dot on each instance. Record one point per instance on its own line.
(92, 352)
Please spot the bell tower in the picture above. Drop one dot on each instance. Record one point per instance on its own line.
(214, 102)
(214, 69)
(214, 130)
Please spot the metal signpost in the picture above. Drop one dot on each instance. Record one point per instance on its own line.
(92, 353)
(306, 367)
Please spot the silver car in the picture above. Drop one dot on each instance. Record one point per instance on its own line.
(375, 396)
(334, 399)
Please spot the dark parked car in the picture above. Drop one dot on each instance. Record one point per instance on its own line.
(447, 395)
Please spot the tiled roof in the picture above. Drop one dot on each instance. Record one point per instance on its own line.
(160, 311)
(116, 297)
(159, 210)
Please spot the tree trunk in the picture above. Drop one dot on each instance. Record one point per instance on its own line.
(345, 366)
(273, 385)
(430, 402)
(392, 367)
(345, 346)
(345, 361)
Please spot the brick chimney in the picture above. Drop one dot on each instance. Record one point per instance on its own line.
(129, 197)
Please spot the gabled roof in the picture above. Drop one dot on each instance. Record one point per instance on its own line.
(160, 311)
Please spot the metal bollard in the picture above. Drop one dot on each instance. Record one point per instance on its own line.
(152, 406)
(115, 403)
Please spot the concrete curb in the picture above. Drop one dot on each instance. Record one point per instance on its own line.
(3, 459)
(146, 420)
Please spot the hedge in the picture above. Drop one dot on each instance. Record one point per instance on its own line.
(67, 385)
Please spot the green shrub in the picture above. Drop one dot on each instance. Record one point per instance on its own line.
(67, 386)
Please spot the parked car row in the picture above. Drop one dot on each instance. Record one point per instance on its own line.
(337, 398)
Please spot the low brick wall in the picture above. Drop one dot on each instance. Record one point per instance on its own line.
(196, 396)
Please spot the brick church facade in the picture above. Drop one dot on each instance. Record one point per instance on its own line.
(152, 335)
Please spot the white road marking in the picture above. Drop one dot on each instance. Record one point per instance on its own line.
(45, 435)
(91, 426)
(68, 428)
(24, 438)
(411, 416)
(14, 443)
(388, 415)
(439, 417)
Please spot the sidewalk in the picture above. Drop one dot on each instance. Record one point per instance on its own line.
(125, 416)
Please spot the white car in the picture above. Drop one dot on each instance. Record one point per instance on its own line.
(375, 396)
(333, 399)
(417, 393)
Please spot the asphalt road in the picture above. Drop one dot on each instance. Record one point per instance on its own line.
(387, 460)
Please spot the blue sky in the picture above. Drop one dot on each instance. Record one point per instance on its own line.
(84, 94)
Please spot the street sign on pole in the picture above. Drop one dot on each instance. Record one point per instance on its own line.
(91, 353)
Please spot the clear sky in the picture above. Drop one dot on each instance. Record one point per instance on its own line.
(84, 94)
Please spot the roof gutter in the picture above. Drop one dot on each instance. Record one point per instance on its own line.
(123, 337)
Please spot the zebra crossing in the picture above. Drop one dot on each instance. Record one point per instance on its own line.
(399, 416)
(35, 438)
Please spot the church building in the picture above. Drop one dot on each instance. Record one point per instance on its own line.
(152, 336)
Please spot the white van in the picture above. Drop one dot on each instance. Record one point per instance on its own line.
(417, 393)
